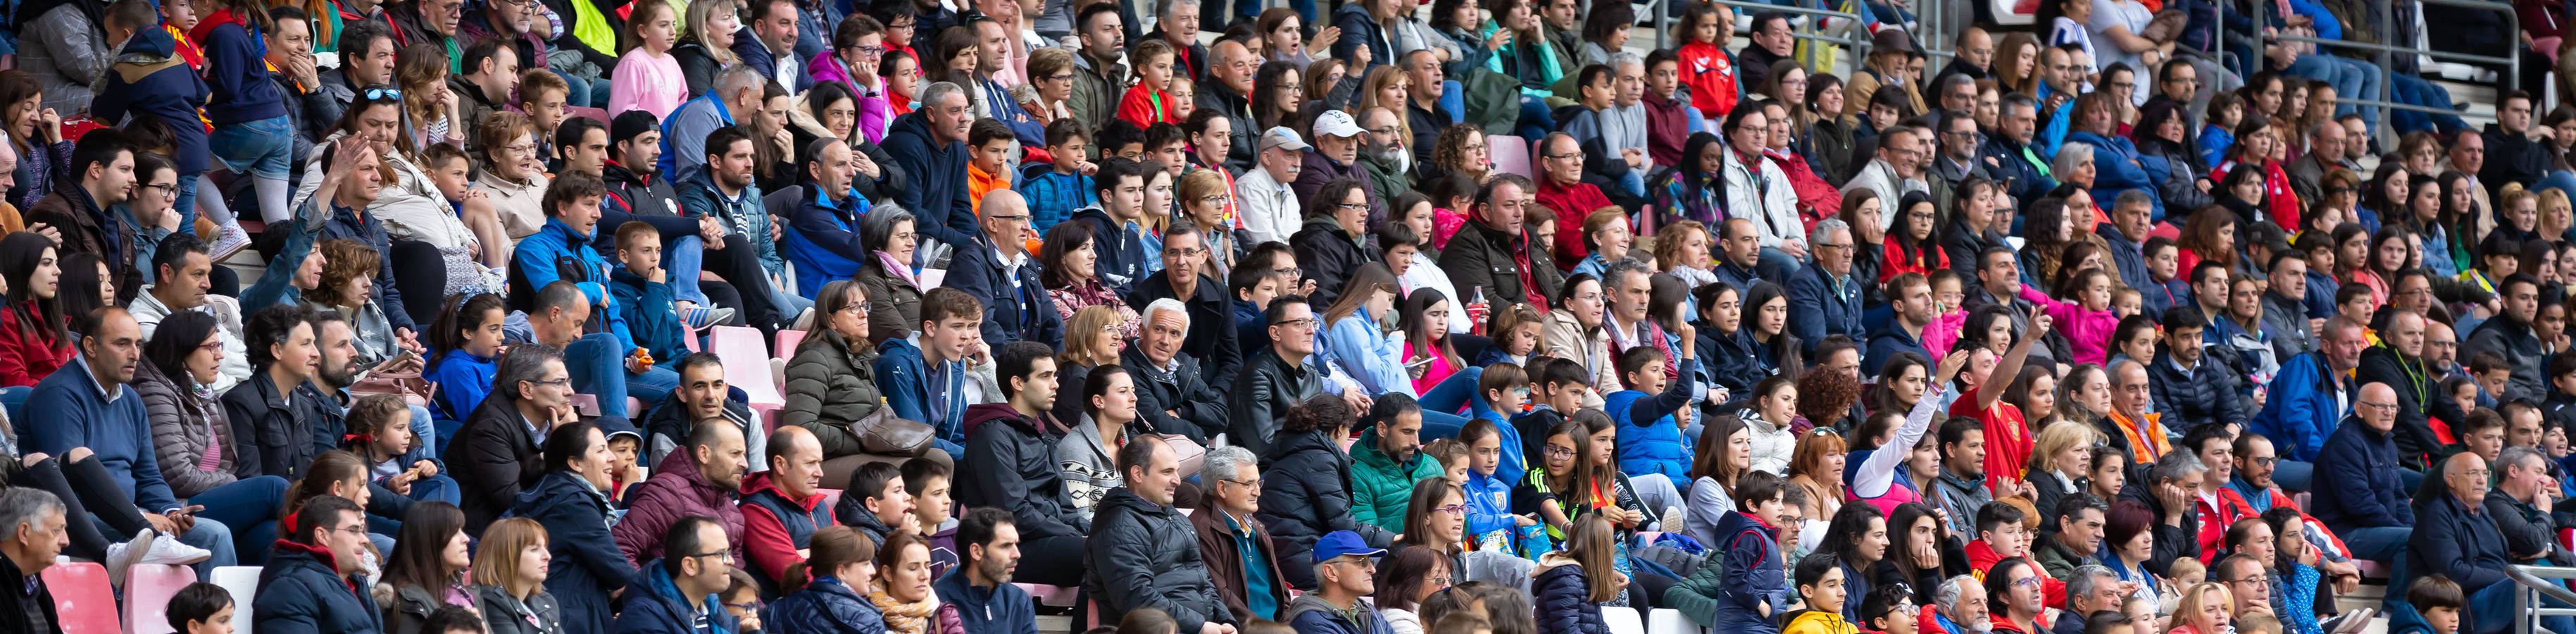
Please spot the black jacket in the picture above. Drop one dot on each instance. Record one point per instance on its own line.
(1330, 255)
(1145, 555)
(1262, 396)
(1562, 599)
(946, 215)
(300, 590)
(696, 66)
(492, 457)
(2203, 395)
(2458, 542)
(2512, 158)
(824, 607)
(14, 608)
(505, 614)
(653, 604)
(2418, 401)
(2171, 541)
(1215, 95)
(1212, 338)
(639, 197)
(280, 437)
(2521, 350)
(1012, 312)
(1307, 493)
(1176, 402)
(1017, 470)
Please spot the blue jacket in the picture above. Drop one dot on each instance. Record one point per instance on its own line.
(1005, 609)
(828, 606)
(1753, 576)
(646, 307)
(1835, 308)
(2461, 543)
(1562, 599)
(1886, 344)
(275, 283)
(148, 80)
(1659, 446)
(654, 606)
(1369, 354)
(463, 380)
(1053, 197)
(118, 430)
(940, 202)
(237, 74)
(2302, 410)
(744, 216)
(1016, 304)
(684, 135)
(2118, 167)
(557, 252)
(1489, 504)
(823, 239)
(755, 54)
(2054, 126)
(904, 378)
(2363, 462)
(587, 564)
(301, 592)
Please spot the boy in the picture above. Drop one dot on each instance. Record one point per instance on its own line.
(988, 160)
(2439, 600)
(2482, 433)
(877, 503)
(1746, 534)
(1651, 439)
(1055, 189)
(1505, 388)
(2164, 265)
(1150, 101)
(1253, 288)
(202, 608)
(541, 97)
(2489, 369)
(1557, 391)
(1889, 608)
(928, 481)
(1121, 139)
(1118, 224)
(452, 619)
(2004, 531)
(1168, 145)
(625, 447)
(643, 293)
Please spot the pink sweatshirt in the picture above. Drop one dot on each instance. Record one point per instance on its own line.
(2088, 332)
(647, 82)
(873, 114)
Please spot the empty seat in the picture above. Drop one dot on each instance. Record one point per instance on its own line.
(1511, 155)
(1671, 621)
(243, 583)
(148, 590)
(1623, 620)
(746, 362)
(83, 599)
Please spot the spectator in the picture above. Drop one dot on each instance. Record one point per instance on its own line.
(1242, 560)
(1012, 439)
(995, 269)
(102, 414)
(35, 522)
(982, 577)
(726, 191)
(1172, 390)
(1827, 290)
(1752, 590)
(877, 503)
(1898, 170)
(932, 377)
(1187, 277)
(2188, 385)
(1269, 204)
(1138, 555)
(2368, 507)
(2090, 589)
(1310, 499)
(2316, 388)
(2462, 541)
(2012, 588)
(843, 565)
(700, 482)
(2521, 507)
(2254, 493)
(2510, 333)
(666, 594)
(2171, 489)
(1343, 573)
(496, 451)
(1335, 157)
(187, 424)
(904, 593)
(832, 388)
(702, 397)
(1277, 378)
(568, 501)
(1572, 584)
(1494, 252)
(308, 583)
(782, 508)
(183, 274)
(2077, 542)
(101, 176)
(685, 133)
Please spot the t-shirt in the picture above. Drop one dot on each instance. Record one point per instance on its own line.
(2121, 13)
(2008, 439)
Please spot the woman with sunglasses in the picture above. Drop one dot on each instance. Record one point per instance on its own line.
(411, 208)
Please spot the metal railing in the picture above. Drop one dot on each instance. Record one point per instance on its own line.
(2385, 55)
(1858, 46)
(2530, 583)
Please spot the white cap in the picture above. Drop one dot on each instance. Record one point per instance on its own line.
(1335, 123)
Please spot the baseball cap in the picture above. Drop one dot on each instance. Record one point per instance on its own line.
(1335, 123)
(627, 125)
(1283, 138)
(1338, 543)
(2270, 236)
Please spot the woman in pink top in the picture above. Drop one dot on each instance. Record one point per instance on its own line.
(648, 78)
(2089, 321)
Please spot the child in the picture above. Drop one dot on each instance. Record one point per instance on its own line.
(742, 600)
(1253, 288)
(876, 503)
(2439, 600)
(1751, 555)
(1490, 524)
(152, 81)
(379, 432)
(2109, 622)
(1518, 330)
(465, 346)
(1148, 621)
(1055, 189)
(1452, 456)
(2143, 612)
(1889, 608)
(928, 481)
(2087, 322)
(643, 292)
(1705, 65)
(625, 446)
(1185, 96)
(1949, 313)
(2218, 139)
(1657, 446)
(1463, 623)
(1821, 587)
(1557, 390)
(453, 619)
(178, 17)
(1123, 140)
(648, 78)
(1150, 101)
(2253, 622)
(1505, 388)
(2127, 301)
(989, 146)
(203, 608)
(2488, 368)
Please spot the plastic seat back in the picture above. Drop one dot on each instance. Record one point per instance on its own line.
(148, 590)
(1623, 620)
(243, 582)
(746, 362)
(1511, 155)
(83, 599)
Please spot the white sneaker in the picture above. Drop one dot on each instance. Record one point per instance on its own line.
(122, 556)
(1672, 520)
(229, 240)
(168, 550)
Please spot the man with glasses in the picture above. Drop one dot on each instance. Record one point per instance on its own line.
(2016, 595)
(696, 565)
(2256, 490)
(1959, 142)
(311, 580)
(1240, 560)
(1825, 298)
(1276, 377)
(1386, 153)
(1562, 190)
(1268, 204)
(1771, 42)
(1898, 170)
(1345, 571)
(2368, 505)
(2510, 333)
(996, 269)
(2249, 583)
(1143, 552)
(1211, 343)
(2460, 538)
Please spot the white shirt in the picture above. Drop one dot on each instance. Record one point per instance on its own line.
(1423, 273)
(1270, 211)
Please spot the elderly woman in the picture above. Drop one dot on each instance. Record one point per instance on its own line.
(893, 285)
(831, 382)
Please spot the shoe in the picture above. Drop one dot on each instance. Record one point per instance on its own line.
(1672, 520)
(169, 550)
(229, 240)
(700, 317)
(804, 320)
(122, 556)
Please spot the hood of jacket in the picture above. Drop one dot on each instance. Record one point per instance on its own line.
(618, 174)
(917, 124)
(288, 552)
(1314, 602)
(653, 581)
(206, 27)
(558, 487)
(760, 481)
(149, 46)
(981, 413)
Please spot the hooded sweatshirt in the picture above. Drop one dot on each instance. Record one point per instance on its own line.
(237, 65)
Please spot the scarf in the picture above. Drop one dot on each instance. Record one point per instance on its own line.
(904, 618)
(898, 270)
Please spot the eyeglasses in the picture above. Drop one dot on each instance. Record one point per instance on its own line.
(1298, 324)
(170, 190)
(1015, 218)
(1191, 252)
(567, 381)
(2262, 579)
(721, 555)
(1453, 509)
(1252, 483)
(1556, 451)
(2379, 406)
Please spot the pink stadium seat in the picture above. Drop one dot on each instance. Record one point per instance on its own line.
(83, 598)
(1511, 155)
(585, 111)
(831, 497)
(787, 341)
(746, 362)
(148, 589)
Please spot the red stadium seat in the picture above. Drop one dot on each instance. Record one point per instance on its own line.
(83, 599)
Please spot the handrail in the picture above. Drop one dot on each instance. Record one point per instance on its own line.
(2400, 50)
(2385, 55)
(2531, 586)
(1859, 46)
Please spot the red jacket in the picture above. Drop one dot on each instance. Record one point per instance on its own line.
(676, 490)
(1982, 557)
(1145, 107)
(1571, 203)
(1710, 73)
(24, 357)
(764, 538)
(2233, 507)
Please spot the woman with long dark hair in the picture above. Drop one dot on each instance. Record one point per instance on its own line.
(1917, 551)
(1412, 575)
(831, 380)
(35, 333)
(1766, 331)
(1069, 265)
(568, 501)
(193, 437)
(86, 286)
(427, 567)
(2164, 131)
(1724, 453)
(1435, 520)
(1914, 244)
(1696, 189)
(1277, 94)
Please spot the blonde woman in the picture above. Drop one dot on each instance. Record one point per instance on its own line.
(2059, 460)
(1207, 202)
(509, 577)
(2203, 610)
(1817, 468)
(1391, 88)
(434, 113)
(706, 42)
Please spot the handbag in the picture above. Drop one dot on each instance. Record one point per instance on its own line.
(881, 433)
(1188, 452)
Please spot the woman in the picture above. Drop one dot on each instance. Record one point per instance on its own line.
(2204, 610)
(510, 570)
(426, 570)
(1207, 203)
(89, 285)
(1360, 333)
(1533, 58)
(1105, 403)
(348, 286)
(1460, 26)
(1766, 333)
(2258, 144)
(513, 174)
(1914, 244)
(567, 501)
(2128, 542)
(856, 55)
(1051, 72)
(2051, 225)
(707, 44)
(2164, 131)
(1769, 417)
(2293, 564)
(1283, 33)
(431, 113)
(2017, 63)
(831, 383)
(1696, 189)
(1070, 270)
(1412, 575)
(1825, 132)
(1882, 474)
(1829, 400)
(1917, 557)
(2060, 460)
(44, 156)
(828, 599)
(1724, 454)
(903, 591)
(2210, 234)
(1856, 540)
(1682, 251)
(191, 436)
(1571, 585)
(35, 335)
(1460, 149)
(893, 284)
(1278, 91)
(1730, 361)
(1309, 478)
(1818, 470)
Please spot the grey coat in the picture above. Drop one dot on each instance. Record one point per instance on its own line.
(508, 615)
(69, 62)
(184, 423)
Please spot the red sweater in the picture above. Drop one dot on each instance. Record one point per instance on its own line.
(1571, 203)
(24, 356)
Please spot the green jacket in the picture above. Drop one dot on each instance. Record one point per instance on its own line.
(1380, 488)
(830, 388)
(1697, 596)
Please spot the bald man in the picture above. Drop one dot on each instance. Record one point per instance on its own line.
(2461, 541)
(2368, 506)
(997, 270)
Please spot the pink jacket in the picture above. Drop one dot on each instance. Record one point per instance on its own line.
(874, 115)
(1943, 333)
(2088, 332)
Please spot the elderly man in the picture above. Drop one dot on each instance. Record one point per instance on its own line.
(2400, 363)
(1184, 280)
(1230, 69)
(2011, 152)
(2368, 506)
(1386, 154)
(1173, 394)
(1265, 195)
(1959, 605)
(1562, 191)
(1898, 170)
(1825, 297)
(1141, 553)
(1240, 560)
(32, 533)
(2326, 153)
(1771, 42)
(2461, 540)
(2521, 506)
(736, 95)
(998, 271)
(1345, 571)
(2089, 588)
(1336, 156)
(2172, 485)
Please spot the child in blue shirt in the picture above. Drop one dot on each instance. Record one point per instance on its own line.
(1490, 522)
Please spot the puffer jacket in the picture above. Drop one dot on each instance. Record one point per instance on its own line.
(894, 305)
(1563, 599)
(831, 386)
(2205, 394)
(1656, 445)
(1308, 494)
(1381, 488)
(1017, 471)
(1309, 614)
(282, 436)
(676, 490)
(1752, 576)
(301, 590)
(587, 566)
(825, 606)
(776, 528)
(1819, 622)
(1145, 555)
(494, 459)
(1183, 389)
(183, 425)
(2522, 352)
(506, 614)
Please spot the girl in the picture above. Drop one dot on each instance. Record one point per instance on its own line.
(1557, 471)
(1571, 585)
(1516, 335)
(648, 77)
(1359, 335)
(35, 335)
(434, 114)
(1533, 57)
(252, 135)
(2089, 320)
(1915, 559)
(1884, 477)
(827, 596)
(465, 343)
(1490, 523)
(1767, 420)
(1912, 247)
(1766, 310)
(1069, 271)
(2210, 234)
(510, 579)
(2260, 143)
(1706, 67)
(87, 284)
(427, 568)
(380, 435)
(1981, 397)
(1443, 379)
(1857, 540)
(1725, 453)
(903, 591)
(902, 78)
(1695, 189)
(339, 474)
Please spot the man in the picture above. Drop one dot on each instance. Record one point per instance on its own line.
(2090, 588)
(735, 95)
(1016, 441)
(2019, 605)
(980, 585)
(2285, 307)
(1491, 252)
(366, 50)
(1959, 143)
(604, 362)
(1422, 109)
(997, 270)
(1184, 280)
(1895, 172)
(1141, 553)
(2468, 155)
(1961, 490)
(1173, 395)
(2461, 540)
(1959, 605)
(103, 168)
(1739, 255)
(1974, 56)
(2132, 220)
(2079, 520)
(2326, 153)
(1887, 65)
(1241, 563)
(930, 145)
(677, 591)
(2402, 360)
(727, 202)
(1772, 42)
(1628, 286)
(2248, 581)
(700, 482)
(2314, 390)
(1277, 377)
(1563, 191)
(2187, 385)
(2510, 333)
(1263, 195)
(2368, 504)
(1231, 67)
(2521, 505)
(1345, 571)
(1998, 271)
(639, 192)
(940, 369)
(1387, 460)
(183, 275)
(496, 452)
(1386, 154)
(994, 59)
(2062, 78)
(491, 77)
(1117, 224)
(703, 396)
(2172, 484)
(771, 49)
(1336, 156)
(1915, 308)
(1098, 79)
(1825, 296)
(311, 582)
(432, 22)
(278, 414)
(34, 525)
(2254, 491)
(2010, 153)
(782, 507)
(2516, 151)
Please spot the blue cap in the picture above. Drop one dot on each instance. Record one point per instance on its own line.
(1338, 543)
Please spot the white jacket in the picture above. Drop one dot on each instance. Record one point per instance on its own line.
(1765, 198)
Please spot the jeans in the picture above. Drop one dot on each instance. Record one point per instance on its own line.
(2378, 543)
(2350, 79)
(596, 358)
(2409, 89)
(260, 148)
(684, 259)
(584, 91)
(1535, 120)
(187, 204)
(1440, 406)
(250, 508)
(1453, 101)
(1776, 265)
(2494, 604)
(2293, 475)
